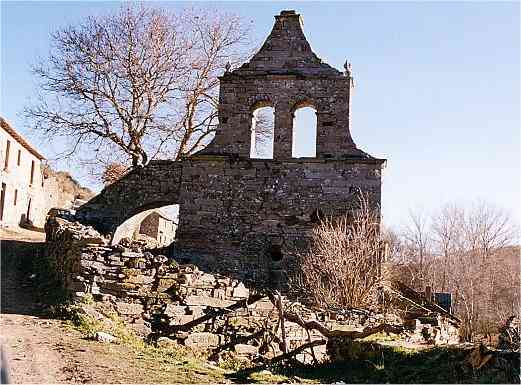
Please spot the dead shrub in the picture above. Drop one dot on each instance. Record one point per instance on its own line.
(341, 268)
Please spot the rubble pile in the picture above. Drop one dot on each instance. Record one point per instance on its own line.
(141, 286)
(200, 310)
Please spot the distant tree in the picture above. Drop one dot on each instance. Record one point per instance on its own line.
(417, 249)
(263, 126)
(137, 84)
(468, 252)
(113, 172)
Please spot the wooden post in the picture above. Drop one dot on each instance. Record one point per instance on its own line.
(281, 317)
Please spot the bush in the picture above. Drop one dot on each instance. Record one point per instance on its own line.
(341, 269)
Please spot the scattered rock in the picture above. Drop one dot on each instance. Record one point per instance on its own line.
(104, 337)
(202, 340)
(165, 341)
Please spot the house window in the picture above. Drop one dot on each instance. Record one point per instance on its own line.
(15, 197)
(19, 161)
(2, 201)
(8, 147)
(32, 173)
(28, 215)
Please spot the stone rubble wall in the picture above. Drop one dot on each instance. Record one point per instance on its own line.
(140, 285)
(137, 283)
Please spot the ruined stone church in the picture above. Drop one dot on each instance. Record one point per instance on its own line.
(244, 215)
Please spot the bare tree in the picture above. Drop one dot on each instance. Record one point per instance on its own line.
(417, 250)
(466, 251)
(342, 266)
(447, 242)
(138, 84)
(263, 126)
(113, 172)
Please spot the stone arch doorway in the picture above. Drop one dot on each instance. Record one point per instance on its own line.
(156, 185)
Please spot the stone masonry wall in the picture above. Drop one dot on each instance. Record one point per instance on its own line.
(233, 213)
(138, 284)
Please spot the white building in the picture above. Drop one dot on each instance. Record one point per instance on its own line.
(22, 200)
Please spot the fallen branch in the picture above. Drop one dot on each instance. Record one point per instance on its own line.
(281, 320)
(296, 351)
(238, 340)
(368, 331)
(282, 357)
(171, 329)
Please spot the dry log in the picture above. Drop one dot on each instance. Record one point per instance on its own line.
(368, 331)
(238, 340)
(171, 329)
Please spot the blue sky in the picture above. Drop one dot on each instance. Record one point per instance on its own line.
(438, 87)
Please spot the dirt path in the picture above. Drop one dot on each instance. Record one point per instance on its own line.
(34, 346)
(41, 350)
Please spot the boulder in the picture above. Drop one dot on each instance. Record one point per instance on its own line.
(104, 337)
(245, 350)
(202, 341)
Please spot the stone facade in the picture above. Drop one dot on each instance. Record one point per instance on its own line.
(157, 226)
(245, 215)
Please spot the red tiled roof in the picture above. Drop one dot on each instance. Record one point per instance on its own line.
(19, 138)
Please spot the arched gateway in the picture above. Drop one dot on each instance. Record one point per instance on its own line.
(235, 211)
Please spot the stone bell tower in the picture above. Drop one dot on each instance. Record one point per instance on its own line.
(285, 74)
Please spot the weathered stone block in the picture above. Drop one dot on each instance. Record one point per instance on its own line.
(246, 350)
(199, 300)
(202, 340)
(129, 308)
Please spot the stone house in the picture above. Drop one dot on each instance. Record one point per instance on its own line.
(22, 199)
(158, 226)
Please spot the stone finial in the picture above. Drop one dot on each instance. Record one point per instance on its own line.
(227, 67)
(348, 68)
(349, 73)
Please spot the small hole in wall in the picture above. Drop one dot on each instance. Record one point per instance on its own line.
(316, 216)
(224, 120)
(275, 253)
